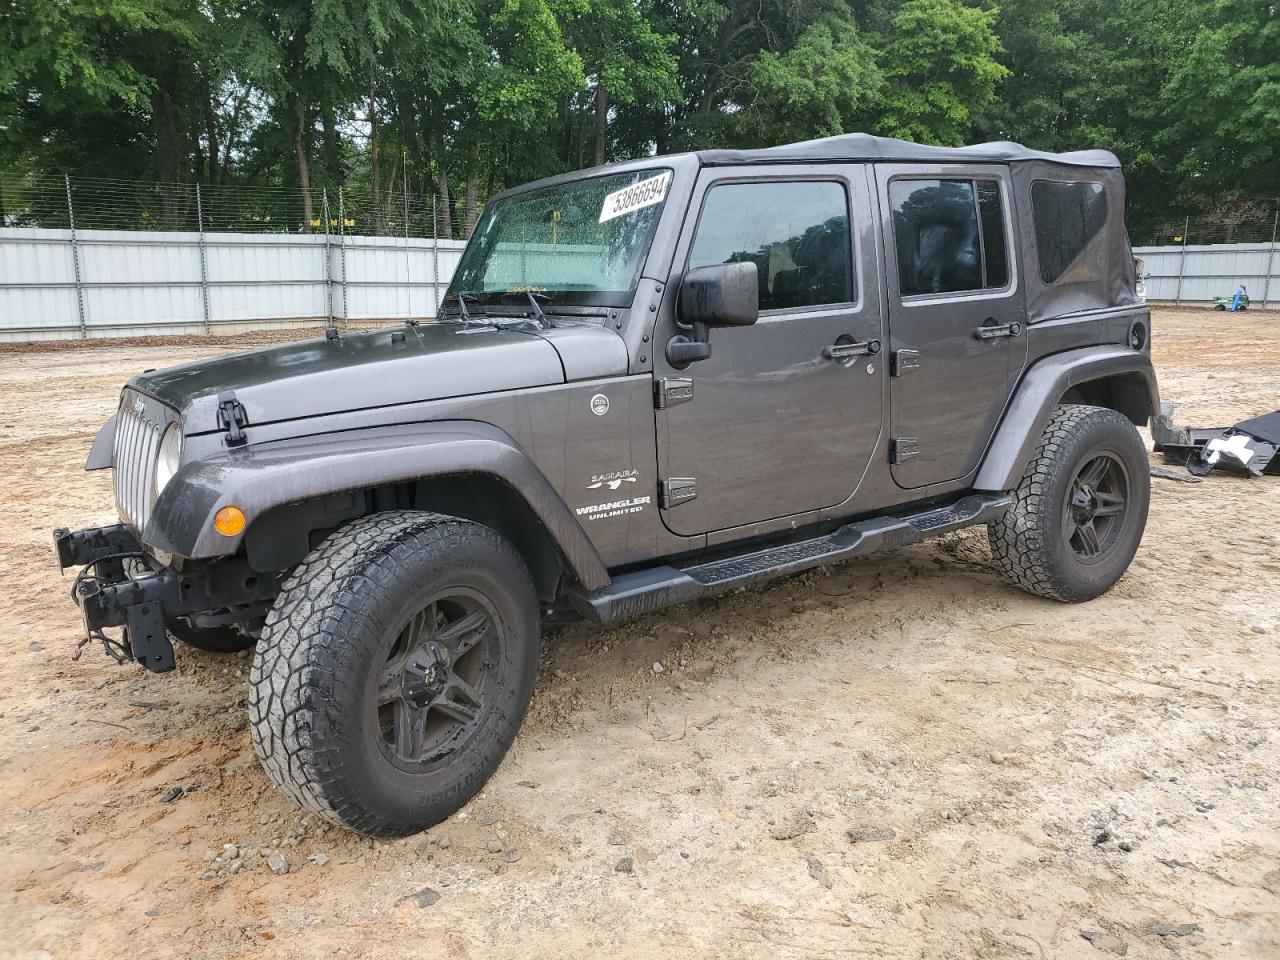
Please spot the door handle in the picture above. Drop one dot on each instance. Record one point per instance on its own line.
(846, 351)
(990, 330)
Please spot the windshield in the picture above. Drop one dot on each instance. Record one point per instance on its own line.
(581, 242)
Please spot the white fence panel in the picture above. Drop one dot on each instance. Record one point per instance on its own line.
(1195, 274)
(133, 283)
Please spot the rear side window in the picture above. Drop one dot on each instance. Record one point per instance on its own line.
(1067, 217)
(796, 233)
(950, 235)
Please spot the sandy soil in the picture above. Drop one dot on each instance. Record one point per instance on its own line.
(1044, 770)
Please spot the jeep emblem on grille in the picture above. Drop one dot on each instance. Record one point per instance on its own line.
(138, 405)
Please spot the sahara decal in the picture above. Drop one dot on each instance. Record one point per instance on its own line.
(613, 480)
(599, 404)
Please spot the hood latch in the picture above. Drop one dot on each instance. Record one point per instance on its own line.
(232, 418)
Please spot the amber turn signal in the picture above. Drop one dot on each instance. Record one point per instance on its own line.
(229, 521)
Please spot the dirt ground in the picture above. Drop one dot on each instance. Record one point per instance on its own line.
(901, 757)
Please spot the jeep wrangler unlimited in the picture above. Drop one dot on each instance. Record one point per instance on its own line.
(648, 382)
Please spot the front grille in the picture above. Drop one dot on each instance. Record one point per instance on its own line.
(140, 423)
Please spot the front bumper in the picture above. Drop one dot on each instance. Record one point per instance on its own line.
(121, 585)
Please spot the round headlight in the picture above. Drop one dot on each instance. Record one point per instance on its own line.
(170, 456)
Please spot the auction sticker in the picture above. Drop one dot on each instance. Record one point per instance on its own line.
(635, 197)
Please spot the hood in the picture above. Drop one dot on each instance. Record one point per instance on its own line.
(312, 378)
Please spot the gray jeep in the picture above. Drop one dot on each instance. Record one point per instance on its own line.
(649, 382)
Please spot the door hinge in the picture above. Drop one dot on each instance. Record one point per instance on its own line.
(232, 418)
(904, 361)
(670, 391)
(677, 490)
(902, 449)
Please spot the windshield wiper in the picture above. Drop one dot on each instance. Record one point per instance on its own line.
(462, 305)
(537, 308)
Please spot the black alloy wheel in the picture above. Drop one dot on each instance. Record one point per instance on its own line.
(1093, 515)
(432, 691)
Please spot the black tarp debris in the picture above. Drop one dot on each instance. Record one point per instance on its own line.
(1164, 474)
(1248, 448)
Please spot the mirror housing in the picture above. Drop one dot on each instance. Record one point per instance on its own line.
(721, 295)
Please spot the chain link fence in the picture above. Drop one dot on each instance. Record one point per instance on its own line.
(1254, 222)
(99, 203)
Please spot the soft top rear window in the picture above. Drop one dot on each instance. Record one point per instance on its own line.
(1068, 216)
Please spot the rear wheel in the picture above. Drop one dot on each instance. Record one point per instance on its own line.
(394, 670)
(1080, 509)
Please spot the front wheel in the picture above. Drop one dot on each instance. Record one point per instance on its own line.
(1079, 512)
(394, 670)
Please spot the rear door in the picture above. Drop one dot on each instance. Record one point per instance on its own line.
(784, 416)
(957, 320)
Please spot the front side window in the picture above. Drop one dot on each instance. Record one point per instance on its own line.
(581, 242)
(1067, 217)
(950, 236)
(795, 232)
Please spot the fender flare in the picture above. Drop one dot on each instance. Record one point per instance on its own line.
(260, 477)
(102, 454)
(1039, 393)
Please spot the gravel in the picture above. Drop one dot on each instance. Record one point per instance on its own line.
(426, 897)
(1105, 941)
(1162, 929)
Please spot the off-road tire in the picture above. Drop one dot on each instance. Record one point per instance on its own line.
(315, 678)
(212, 640)
(1028, 543)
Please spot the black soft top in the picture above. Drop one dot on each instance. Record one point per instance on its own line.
(864, 146)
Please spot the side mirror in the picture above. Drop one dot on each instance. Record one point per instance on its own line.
(723, 295)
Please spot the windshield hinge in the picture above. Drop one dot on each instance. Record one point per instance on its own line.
(670, 391)
(902, 449)
(676, 491)
(232, 418)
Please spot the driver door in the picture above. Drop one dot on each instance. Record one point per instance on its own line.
(775, 423)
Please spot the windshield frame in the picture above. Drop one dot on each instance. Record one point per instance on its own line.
(558, 297)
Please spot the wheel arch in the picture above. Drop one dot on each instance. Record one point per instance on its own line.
(293, 490)
(1118, 378)
(1126, 393)
(283, 535)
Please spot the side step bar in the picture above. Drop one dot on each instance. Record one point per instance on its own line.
(645, 591)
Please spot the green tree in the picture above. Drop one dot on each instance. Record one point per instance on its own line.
(1220, 108)
(940, 71)
(81, 86)
(626, 61)
(819, 87)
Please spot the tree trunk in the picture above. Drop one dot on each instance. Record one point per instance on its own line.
(407, 114)
(602, 121)
(233, 131)
(446, 202)
(394, 210)
(332, 151)
(304, 165)
(473, 190)
(375, 177)
(211, 134)
(469, 209)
